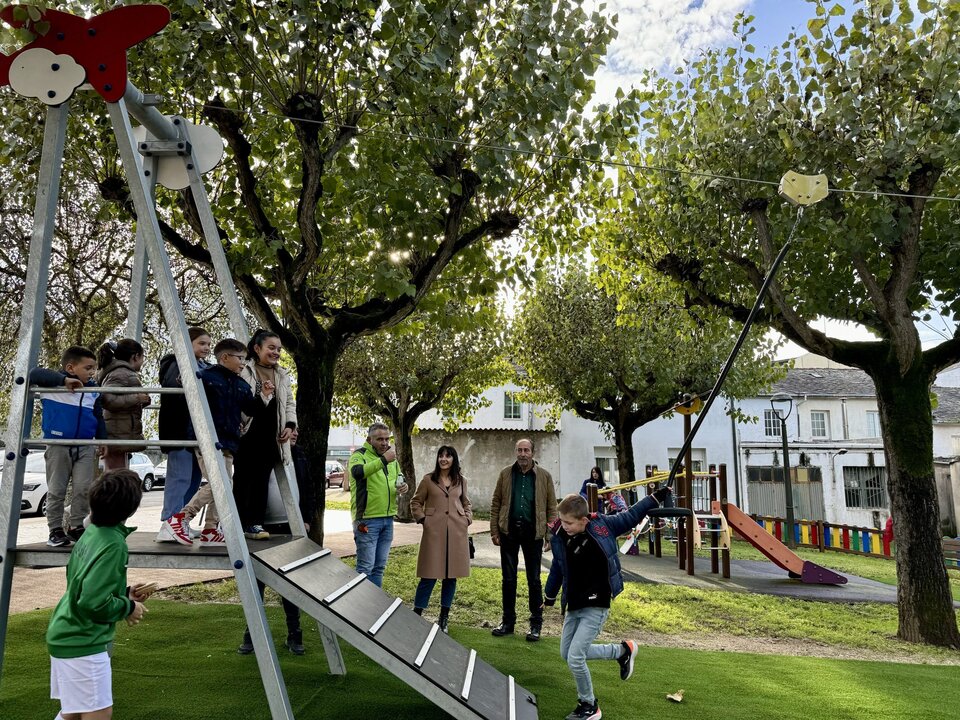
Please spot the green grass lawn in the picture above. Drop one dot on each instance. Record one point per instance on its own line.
(181, 663)
(669, 610)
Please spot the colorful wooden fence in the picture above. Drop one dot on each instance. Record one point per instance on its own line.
(828, 536)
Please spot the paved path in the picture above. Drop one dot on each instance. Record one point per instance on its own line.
(42, 588)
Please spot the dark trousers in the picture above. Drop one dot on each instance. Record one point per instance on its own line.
(251, 478)
(521, 538)
(290, 611)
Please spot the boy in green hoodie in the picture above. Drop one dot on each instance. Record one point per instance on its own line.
(81, 629)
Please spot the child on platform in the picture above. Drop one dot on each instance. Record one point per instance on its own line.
(81, 629)
(69, 416)
(230, 397)
(120, 364)
(586, 565)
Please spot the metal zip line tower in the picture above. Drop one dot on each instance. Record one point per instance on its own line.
(172, 151)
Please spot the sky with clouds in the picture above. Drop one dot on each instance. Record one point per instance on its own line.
(663, 34)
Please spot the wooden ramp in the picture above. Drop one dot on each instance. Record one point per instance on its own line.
(391, 634)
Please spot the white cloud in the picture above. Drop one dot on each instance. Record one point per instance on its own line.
(39, 73)
(661, 35)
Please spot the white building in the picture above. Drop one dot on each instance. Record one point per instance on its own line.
(838, 465)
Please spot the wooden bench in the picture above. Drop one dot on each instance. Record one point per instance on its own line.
(951, 554)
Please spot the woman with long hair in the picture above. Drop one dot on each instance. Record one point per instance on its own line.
(442, 506)
(266, 437)
(596, 477)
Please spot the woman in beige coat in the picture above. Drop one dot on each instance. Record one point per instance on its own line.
(442, 506)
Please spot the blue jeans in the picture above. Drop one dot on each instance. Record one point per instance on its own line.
(183, 480)
(580, 628)
(373, 547)
(448, 586)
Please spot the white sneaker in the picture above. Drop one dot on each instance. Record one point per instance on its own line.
(165, 534)
(192, 533)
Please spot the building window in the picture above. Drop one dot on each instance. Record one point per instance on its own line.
(865, 487)
(820, 424)
(873, 424)
(774, 473)
(771, 424)
(511, 407)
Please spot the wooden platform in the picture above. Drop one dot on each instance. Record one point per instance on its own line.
(146, 552)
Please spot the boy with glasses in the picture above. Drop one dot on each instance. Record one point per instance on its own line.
(230, 396)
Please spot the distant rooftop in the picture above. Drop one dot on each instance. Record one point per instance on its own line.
(825, 382)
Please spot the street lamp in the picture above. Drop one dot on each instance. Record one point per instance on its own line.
(782, 406)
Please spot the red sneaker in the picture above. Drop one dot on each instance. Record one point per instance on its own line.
(212, 536)
(176, 529)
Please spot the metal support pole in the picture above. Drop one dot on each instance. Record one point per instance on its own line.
(266, 655)
(787, 486)
(688, 491)
(28, 347)
(141, 265)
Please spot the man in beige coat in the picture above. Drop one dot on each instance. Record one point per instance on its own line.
(523, 506)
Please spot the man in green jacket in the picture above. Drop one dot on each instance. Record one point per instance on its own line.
(81, 628)
(375, 482)
(523, 506)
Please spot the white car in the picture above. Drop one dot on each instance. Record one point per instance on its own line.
(34, 498)
(143, 466)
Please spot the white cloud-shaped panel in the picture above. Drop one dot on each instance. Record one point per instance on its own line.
(41, 74)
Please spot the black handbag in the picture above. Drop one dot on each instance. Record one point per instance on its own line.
(473, 549)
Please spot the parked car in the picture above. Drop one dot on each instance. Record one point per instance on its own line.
(34, 498)
(335, 474)
(160, 473)
(143, 466)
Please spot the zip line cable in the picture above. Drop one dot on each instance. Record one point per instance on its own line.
(748, 323)
(575, 158)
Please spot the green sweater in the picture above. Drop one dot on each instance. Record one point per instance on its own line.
(83, 621)
(373, 485)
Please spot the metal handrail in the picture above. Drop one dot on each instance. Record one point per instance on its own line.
(45, 442)
(109, 390)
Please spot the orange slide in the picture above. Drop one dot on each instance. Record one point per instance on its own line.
(775, 551)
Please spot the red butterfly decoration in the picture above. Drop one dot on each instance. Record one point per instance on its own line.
(99, 45)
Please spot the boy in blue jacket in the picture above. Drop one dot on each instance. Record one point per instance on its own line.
(230, 397)
(69, 416)
(586, 564)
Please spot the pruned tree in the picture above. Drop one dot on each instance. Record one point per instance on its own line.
(624, 363)
(870, 100)
(441, 358)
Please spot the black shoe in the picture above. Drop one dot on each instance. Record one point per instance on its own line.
(295, 642)
(246, 647)
(664, 496)
(444, 620)
(75, 533)
(418, 611)
(534, 633)
(58, 538)
(626, 658)
(502, 629)
(586, 711)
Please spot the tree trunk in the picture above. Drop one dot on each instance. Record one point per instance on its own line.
(315, 378)
(623, 440)
(403, 432)
(924, 602)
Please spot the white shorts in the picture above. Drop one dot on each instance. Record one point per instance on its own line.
(81, 684)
